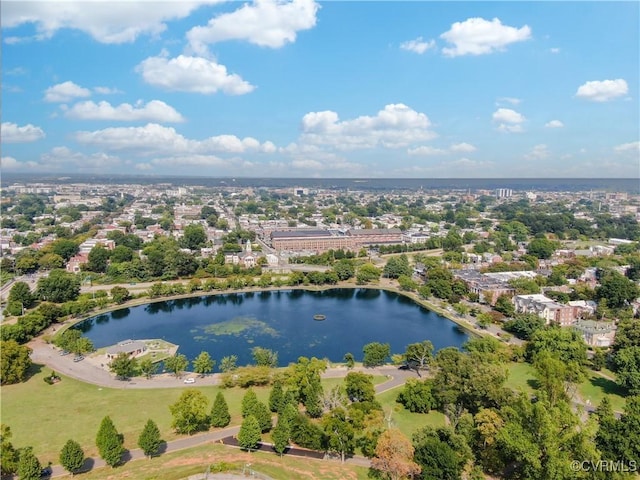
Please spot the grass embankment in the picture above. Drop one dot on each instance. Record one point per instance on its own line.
(193, 461)
(46, 416)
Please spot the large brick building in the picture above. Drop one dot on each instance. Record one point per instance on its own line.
(320, 241)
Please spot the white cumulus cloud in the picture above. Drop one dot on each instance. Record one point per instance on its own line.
(602, 91)
(154, 139)
(192, 74)
(395, 126)
(106, 90)
(10, 163)
(426, 151)
(477, 36)
(508, 120)
(554, 124)
(463, 148)
(267, 23)
(65, 92)
(106, 22)
(418, 45)
(154, 111)
(12, 133)
(539, 152)
(633, 147)
(61, 158)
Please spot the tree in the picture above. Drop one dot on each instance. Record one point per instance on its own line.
(305, 433)
(9, 456)
(203, 364)
(349, 360)
(194, 237)
(359, 387)
(123, 366)
(263, 416)
(177, 364)
(541, 248)
(276, 396)
(557, 378)
(367, 273)
(249, 434)
(98, 259)
(20, 292)
(14, 362)
(220, 416)
(523, 326)
(147, 367)
(72, 457)
(416, 396)
(375, 354)
(109, 442)
(397, 266)
(228, 363)
(65, 248)
(190, 412)
(149, 440)
(394, 456)
(440, 453)
(58, 287)
(264, 357)
(626, 363)
(617, 289)
(505, 306)
(563, 343)
(280, 435)
(419, 355)
(344, 269)
(249, 402)
(120, 294)
(339, 433)
(29, 467)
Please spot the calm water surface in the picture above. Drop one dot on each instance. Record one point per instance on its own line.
(232, 324)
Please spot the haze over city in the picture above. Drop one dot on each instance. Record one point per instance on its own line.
(321, 89)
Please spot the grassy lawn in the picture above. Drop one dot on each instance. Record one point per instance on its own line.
(403, 419)
(180, 465)
(73, 410)
(521, 377)
(595, 387)
(46, 416)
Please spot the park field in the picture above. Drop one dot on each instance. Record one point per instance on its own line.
(592, 390)
(46, 416)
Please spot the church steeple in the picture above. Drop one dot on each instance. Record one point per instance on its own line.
(248, 247)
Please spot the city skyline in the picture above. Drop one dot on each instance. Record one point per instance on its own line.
(330, 89)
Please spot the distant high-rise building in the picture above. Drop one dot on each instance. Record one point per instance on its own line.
(503, 192)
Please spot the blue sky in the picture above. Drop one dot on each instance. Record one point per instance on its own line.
(322, 89)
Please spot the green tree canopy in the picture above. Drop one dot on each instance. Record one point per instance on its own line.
(29, 467)
(58, 287)
(375, 354)
(123, 366)
(149, 440)
(190, 412)
(14, 362)
(177, 364)
(9, 456)
(359, 387)
(203, 364)
(20, 292)
(72, 457)
(249, 434)
(220, 416)
(109, 442)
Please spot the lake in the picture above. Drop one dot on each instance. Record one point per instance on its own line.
(234, 323)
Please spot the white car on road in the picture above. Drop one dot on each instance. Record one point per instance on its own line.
(190, 380)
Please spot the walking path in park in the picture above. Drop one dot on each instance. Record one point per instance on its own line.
(90, 371)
